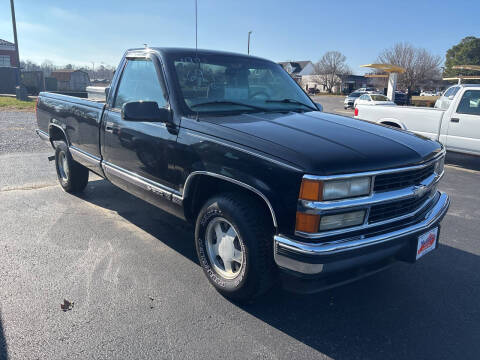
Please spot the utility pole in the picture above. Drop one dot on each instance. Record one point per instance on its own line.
(248, 46)
(93, 70)
(14, 24)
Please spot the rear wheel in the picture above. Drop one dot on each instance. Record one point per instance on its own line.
(234, 243)
(73, 177)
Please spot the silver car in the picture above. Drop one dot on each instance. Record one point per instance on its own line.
(350, 99)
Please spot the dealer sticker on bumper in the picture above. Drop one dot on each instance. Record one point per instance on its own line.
(427, 242)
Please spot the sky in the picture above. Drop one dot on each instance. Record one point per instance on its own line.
(82, 32)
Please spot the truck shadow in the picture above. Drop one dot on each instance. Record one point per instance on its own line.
(464, 161)
(426, 310)
(3, 342)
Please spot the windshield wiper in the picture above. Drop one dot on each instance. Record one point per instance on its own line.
(291, 101)
(229, 103)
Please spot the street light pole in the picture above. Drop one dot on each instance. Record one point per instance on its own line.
(248, 46)
(14, 24)
(93, 70)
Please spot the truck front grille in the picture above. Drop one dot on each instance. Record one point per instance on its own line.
(396, 209)
(399, 180)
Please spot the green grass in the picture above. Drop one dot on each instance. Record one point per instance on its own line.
(8, 103)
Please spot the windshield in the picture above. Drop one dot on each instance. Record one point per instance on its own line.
(379, 98)
(355, 94)
(226, 83)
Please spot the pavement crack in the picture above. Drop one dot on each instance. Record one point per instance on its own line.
(26, 187)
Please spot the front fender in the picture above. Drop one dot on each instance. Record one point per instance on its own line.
(276, 183)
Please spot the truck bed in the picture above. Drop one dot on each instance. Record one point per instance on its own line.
(78, 118)
(421, 120)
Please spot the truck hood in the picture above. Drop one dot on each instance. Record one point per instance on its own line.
(326, 144)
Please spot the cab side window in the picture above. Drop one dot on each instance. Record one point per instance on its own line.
(139, 81)
(470, 103)
(451, 91)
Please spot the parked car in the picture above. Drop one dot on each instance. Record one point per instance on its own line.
(373, 99)
(367, 89)
(428, 93)
(276, 190)
(313, 91)
(400, 98)
(455, 124)
(350, 99)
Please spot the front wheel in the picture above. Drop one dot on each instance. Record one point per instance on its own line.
(234, 242)
(73, 177)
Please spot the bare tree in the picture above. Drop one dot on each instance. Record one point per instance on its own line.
(421, 67)
(47, 67)
(329, 69)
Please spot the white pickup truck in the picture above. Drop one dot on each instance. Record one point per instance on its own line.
(456, 124)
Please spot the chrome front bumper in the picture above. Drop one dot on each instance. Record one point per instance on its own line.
(311, 258)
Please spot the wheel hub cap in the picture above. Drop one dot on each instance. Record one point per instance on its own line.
(224, 248)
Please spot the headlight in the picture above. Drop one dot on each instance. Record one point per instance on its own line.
(439, 165)
(339, 221)
(341, 189)
(316, 190)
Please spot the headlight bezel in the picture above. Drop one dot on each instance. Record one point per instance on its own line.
(439, 166)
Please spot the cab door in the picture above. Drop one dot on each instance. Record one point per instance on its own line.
(464, 124)
(138, 155)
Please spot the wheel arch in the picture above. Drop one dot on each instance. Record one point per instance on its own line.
(393, 123)
(193, 199)
(57, 133)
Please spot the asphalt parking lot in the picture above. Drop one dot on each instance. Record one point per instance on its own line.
(138, 292)
(333, 104)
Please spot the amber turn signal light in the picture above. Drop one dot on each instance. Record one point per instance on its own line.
(307, 222)
(311, 190)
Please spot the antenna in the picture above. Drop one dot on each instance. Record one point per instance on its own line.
(196, 28)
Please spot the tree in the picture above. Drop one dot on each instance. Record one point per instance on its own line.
(466, 52)
(29, 65)
(421, 67)
(47, 67)
(329, 69)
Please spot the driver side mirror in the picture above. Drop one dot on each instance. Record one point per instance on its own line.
(451, 97)
(145, 111)
(319, 106)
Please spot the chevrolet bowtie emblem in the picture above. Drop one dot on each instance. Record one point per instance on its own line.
(420, 190)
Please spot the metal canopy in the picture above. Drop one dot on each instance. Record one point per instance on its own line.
(460, 77)
(467, 67)
(389, 68)
(465, 77)
(376, 75)
(392, 74)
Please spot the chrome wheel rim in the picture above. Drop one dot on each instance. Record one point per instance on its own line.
(225, 248)
(63, 166)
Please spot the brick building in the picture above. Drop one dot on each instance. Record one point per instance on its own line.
(8, 67)
(7, 54)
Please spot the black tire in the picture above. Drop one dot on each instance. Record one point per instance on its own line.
(73, 177)
(255, 234)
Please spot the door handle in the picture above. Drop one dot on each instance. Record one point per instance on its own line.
(455, 120)
(109, 126)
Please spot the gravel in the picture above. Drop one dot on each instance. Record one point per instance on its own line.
(17, 133)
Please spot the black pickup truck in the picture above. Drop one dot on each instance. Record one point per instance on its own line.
(278, 190)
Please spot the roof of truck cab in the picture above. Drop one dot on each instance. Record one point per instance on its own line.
(189, 51)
